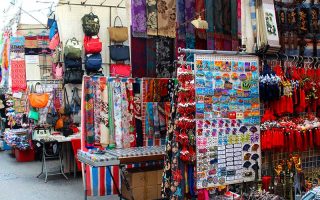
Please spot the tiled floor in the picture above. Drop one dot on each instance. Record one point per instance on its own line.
(18, 182)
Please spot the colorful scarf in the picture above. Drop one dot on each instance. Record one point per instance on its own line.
(89, 111)
(164, 57)
(131, 116)
(104, 118)
(166, 18)
(139, 18)
(18, 75)
(125, 123)
(137, 113)
(117, 113)
(152, 18)
(97, 109)
(110, 114)
(149, 119)
(156, 121)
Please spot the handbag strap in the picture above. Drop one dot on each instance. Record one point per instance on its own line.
(35, 87)
(115, 19)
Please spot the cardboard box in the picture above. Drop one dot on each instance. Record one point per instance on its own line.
(136, 179)
(138, 193)
(152, 192)
(159, 173)
(151, 178)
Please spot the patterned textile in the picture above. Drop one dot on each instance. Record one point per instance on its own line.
(111, 111)
(190, 15)
(88, 131)
(104, 115)
(200, 34)
(117, 114)
(137, 113)
(139, 66)
(164, 57)
(18, 75)
(151, 57)
(253, 16)
(166, 18)
(139, 18)
(152, 18)
(97, 109)
(181, 33)
(131, 113)
(125, 123)
(209, 18)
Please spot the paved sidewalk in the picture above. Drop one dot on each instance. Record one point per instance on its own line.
(18, 182)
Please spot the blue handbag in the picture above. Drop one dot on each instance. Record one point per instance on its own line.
(53, 29)
(93, 62)
(119, 52)
(72, 63)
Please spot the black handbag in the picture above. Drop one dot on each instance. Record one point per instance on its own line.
(67, 107)
(119, 52)
(72, 63)
(66, 131)
(73, 76)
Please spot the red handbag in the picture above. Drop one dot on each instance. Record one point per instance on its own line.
(121, 70)
(92, 45)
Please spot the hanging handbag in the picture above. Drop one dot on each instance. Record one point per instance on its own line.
(118, 34)
(90, 24)
(73, 76)
(72, 63)
(38, 100)
(92, 44)
(33, 114)
(121, 70)
(67, 108)
(54, 42)
(58, 71)
(119, 52)
(93, 62)
(59, 123)
(75, 101)
(56, 55)
(73, 49)
(52, 116)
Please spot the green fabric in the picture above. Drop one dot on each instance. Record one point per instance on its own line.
(110, 113)
(33, 114)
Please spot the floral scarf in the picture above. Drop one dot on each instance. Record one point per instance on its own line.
(89, 111)
(125, 124)
(117, 113)
(139, 18)
(104, 118)
(180, 4)
(152, 18)
(18, 75)
(131, 116)
(164, 57)
(97, 109)
(167, 18)
(151, 57)
(110, 114)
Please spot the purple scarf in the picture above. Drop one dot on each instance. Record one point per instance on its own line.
(139, 18)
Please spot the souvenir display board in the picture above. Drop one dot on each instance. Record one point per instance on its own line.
(227, 119)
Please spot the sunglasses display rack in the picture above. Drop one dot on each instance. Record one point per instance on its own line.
(227, 120)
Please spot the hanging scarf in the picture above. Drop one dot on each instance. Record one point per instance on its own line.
(190, 38)
(200, 34)
(139, 66)
(18, 75)
(209, 18)
(149, 119)
(166, 18)
(89, 111)
(117, 113)
(164, 57)
(104, 118)
(152, 18)
(110, 114)
(151, 57)
(156, 120)
(137, 113)
(97, 109)
(131, 116)
(139, 18)
(125, 123)
(180, 4)
(239, 17)
(234, 25)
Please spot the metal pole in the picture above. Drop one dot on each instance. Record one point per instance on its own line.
(92, 5)
(199, 51)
